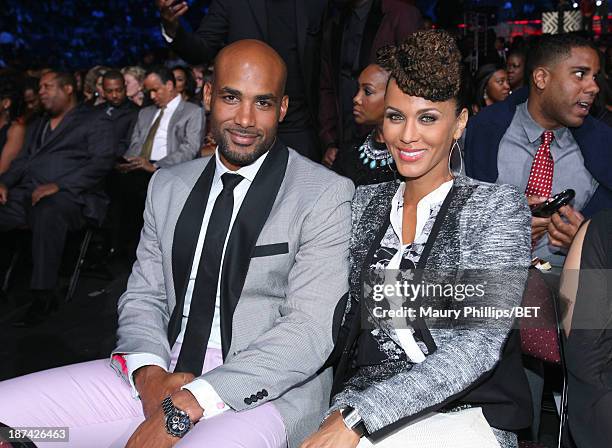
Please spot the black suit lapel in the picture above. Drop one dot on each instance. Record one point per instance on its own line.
(301, 25)
(261, 16)
(250, 220)
(184, 243)
(375, 17)
(61, 128)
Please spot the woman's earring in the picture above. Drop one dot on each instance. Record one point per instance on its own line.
(450, 156)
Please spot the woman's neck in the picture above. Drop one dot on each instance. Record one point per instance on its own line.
(418, 188)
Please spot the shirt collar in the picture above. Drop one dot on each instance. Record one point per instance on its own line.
(173, 104)
(425, 204)
(248, 172)
(534, 131)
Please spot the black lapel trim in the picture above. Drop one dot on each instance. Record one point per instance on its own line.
(301, 24)
(373, 21)
(185, 241)
(261, 16)
(251, 218)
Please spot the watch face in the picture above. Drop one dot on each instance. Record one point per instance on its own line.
(178, 423)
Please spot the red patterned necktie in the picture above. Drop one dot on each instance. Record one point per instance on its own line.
(541, 174)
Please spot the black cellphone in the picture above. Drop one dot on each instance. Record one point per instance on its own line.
(122, 160)
(548, 208)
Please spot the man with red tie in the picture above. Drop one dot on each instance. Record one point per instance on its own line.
(543, 140)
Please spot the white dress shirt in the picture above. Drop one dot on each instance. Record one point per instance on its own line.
(396, 216)
(200, 388)
(160, 142)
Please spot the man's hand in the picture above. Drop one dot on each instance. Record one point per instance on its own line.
(154, 384)
(152, 432)
(539, 226)
(42, 191)
(3, 194)
(135, 163)
(561, 232)
(170, 12)
(333, 433)
(330, 156)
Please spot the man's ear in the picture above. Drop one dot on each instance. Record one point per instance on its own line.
(68, 89)
(207, 95)
(283, 108)
(540, 77)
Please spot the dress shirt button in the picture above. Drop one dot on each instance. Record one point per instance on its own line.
(260, 395)
(247, 401)
(253, 398)
(264, 392)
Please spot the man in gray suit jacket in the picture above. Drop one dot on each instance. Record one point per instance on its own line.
(166, 133)
(241, 265)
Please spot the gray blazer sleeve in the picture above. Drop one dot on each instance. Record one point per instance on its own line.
(300, 341)
(498, 235)
(189, 138)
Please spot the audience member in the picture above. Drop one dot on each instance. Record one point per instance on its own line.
(544, 141)
(394, 373)
(292, 28)
(350, 41)
(515, 67)
(198, 73)
(31, 99)
(167, 133)
(185, 84)
(134, 79)
(54, 184)
(12, 123)
(253, 361)
(119, 110)
(92, 86)
(491, 86)
(368, 161)
(585, 287)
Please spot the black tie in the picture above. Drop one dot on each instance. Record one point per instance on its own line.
(202, 309)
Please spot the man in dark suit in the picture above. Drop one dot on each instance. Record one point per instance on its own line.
(292, 28)
(351, 38)
(504, 141)
(118, 109)
(55, 183)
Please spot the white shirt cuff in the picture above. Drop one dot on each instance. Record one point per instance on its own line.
(165, 35)
(409, 344)
(207, 398)
(135, 361)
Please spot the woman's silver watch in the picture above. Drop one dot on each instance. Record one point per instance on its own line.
(352, 420)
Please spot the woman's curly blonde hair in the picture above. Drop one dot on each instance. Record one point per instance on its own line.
(427, 65)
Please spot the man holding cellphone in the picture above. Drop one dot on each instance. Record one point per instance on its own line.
(542, 139)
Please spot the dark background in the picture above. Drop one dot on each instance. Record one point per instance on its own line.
(81, 33)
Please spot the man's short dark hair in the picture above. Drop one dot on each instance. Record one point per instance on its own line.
(164, 74)
(550, 49)
(113, 74)
(65, 79)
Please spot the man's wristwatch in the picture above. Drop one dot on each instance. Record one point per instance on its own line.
(178, 422)
(352, 420)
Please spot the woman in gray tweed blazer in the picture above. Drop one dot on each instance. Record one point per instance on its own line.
(446, 227)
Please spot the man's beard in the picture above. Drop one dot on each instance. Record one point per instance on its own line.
(240, 158)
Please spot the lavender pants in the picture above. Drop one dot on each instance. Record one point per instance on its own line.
(97, 407)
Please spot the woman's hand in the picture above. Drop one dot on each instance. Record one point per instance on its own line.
(332, 434)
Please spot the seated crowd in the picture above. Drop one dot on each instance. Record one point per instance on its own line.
(263, 199)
